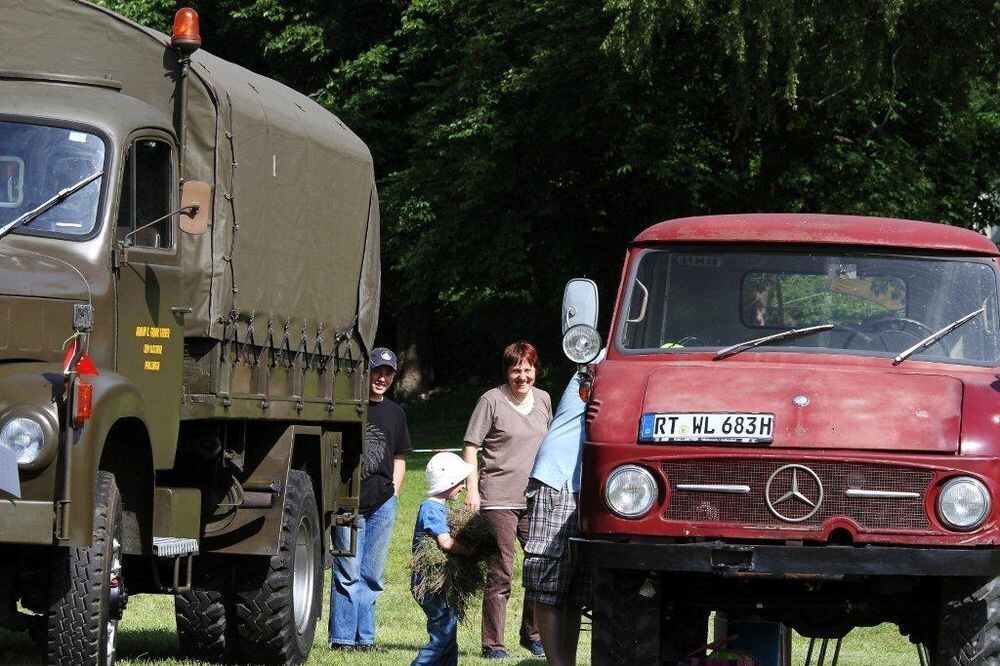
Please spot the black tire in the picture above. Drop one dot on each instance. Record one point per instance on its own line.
(205, 625)
(626, 618)
(968, 631)
(206, 615)
(87, 590)
(682, 633)
(278, 598)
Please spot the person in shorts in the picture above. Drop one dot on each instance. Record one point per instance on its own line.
(557, 590)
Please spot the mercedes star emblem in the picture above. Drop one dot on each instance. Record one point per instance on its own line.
(800, 492)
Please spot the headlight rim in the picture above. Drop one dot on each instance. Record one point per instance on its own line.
(654, 495)
(50, 432)
(979, 485)
(576, 329)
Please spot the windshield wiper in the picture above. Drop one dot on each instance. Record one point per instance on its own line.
(775, 337)
(61, 195)
(937, 335)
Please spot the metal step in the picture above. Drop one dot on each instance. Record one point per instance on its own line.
(174, 546)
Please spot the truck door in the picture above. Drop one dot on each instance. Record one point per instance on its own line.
(149, 316)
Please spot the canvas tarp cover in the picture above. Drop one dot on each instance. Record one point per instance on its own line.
(295, 226)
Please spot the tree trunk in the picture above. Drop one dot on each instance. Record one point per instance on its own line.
(414, 350)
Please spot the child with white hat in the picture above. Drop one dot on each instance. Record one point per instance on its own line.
(446, 473)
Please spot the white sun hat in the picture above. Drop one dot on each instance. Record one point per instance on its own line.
(445, 471)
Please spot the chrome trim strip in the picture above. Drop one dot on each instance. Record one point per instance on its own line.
(881, 494)
(714, 488)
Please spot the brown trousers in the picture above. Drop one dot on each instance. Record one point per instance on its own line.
(507, 524)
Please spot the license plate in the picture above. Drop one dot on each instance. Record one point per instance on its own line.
(707, 427)
(9, 479)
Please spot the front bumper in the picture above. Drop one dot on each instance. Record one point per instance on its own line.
(26, 522)
(786, 561)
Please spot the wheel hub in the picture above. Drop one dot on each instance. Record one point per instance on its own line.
(303, 573)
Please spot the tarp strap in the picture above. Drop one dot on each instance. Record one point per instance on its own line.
(249, 342)
(303, 348)
(317, 352)
(237, 352)
(268, 344)
(340, 338)
(230, 197)
(285, 348)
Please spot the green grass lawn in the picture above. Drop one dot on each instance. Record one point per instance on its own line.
(147, 632)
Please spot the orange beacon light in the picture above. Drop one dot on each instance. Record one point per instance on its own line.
(186, 36)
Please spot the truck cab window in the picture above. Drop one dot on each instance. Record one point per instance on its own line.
(36, 162)
(146, 194)
(877, 304)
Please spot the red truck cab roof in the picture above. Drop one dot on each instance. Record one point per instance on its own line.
(811, 229)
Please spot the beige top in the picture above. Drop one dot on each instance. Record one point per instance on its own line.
(509, 442)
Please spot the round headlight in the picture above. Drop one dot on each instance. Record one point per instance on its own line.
(581, 343)
(630, 491)
(24, 437)
(964, 503)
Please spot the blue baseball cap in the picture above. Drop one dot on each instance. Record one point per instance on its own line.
(382, 356)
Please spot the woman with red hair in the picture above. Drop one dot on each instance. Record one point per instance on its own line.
(507, 425)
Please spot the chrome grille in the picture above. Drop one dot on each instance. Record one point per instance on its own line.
(593, 409)
(750, 509)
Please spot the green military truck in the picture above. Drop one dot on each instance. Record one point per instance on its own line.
(189, 284)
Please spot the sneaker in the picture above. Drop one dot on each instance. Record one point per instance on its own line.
(534, 647)
(370, 647)
(495, 654)
(342, 647)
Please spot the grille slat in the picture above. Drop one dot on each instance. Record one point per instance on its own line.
(837, 477)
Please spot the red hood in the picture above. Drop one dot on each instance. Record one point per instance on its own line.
(847, 409)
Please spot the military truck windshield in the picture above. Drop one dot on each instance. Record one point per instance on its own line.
(36, 162)
(877, 304)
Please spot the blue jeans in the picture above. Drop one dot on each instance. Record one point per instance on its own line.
(442, 627)
(357, 581)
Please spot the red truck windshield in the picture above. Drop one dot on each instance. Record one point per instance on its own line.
(878, 304)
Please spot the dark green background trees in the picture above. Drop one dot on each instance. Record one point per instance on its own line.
(519, 143)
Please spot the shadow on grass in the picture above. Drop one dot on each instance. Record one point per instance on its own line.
(148, 645)
(17, 648)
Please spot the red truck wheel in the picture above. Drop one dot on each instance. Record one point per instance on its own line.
(970, 615)
(626, 618)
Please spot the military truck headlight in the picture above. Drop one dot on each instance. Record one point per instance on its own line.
(630, 491)
(25, 437)
(963, 504)
(581, 343)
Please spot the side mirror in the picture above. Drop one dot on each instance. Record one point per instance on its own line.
(198, 196)
(579, 304)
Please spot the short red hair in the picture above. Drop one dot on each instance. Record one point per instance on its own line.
(517, 353)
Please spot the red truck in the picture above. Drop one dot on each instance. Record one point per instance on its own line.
(797, 421)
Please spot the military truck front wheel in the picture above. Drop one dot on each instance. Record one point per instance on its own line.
(278, 598)
(87, 591)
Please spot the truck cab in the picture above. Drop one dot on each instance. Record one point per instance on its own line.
(797, 421)
(182, 344)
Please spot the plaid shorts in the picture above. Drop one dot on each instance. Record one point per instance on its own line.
(549, 577)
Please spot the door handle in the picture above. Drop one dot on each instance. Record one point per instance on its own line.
(182, 309)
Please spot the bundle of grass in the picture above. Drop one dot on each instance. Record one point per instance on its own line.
(453, 577)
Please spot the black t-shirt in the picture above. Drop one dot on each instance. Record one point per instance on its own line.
(385, 438)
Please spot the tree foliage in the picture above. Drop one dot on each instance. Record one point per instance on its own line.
(518, 143)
